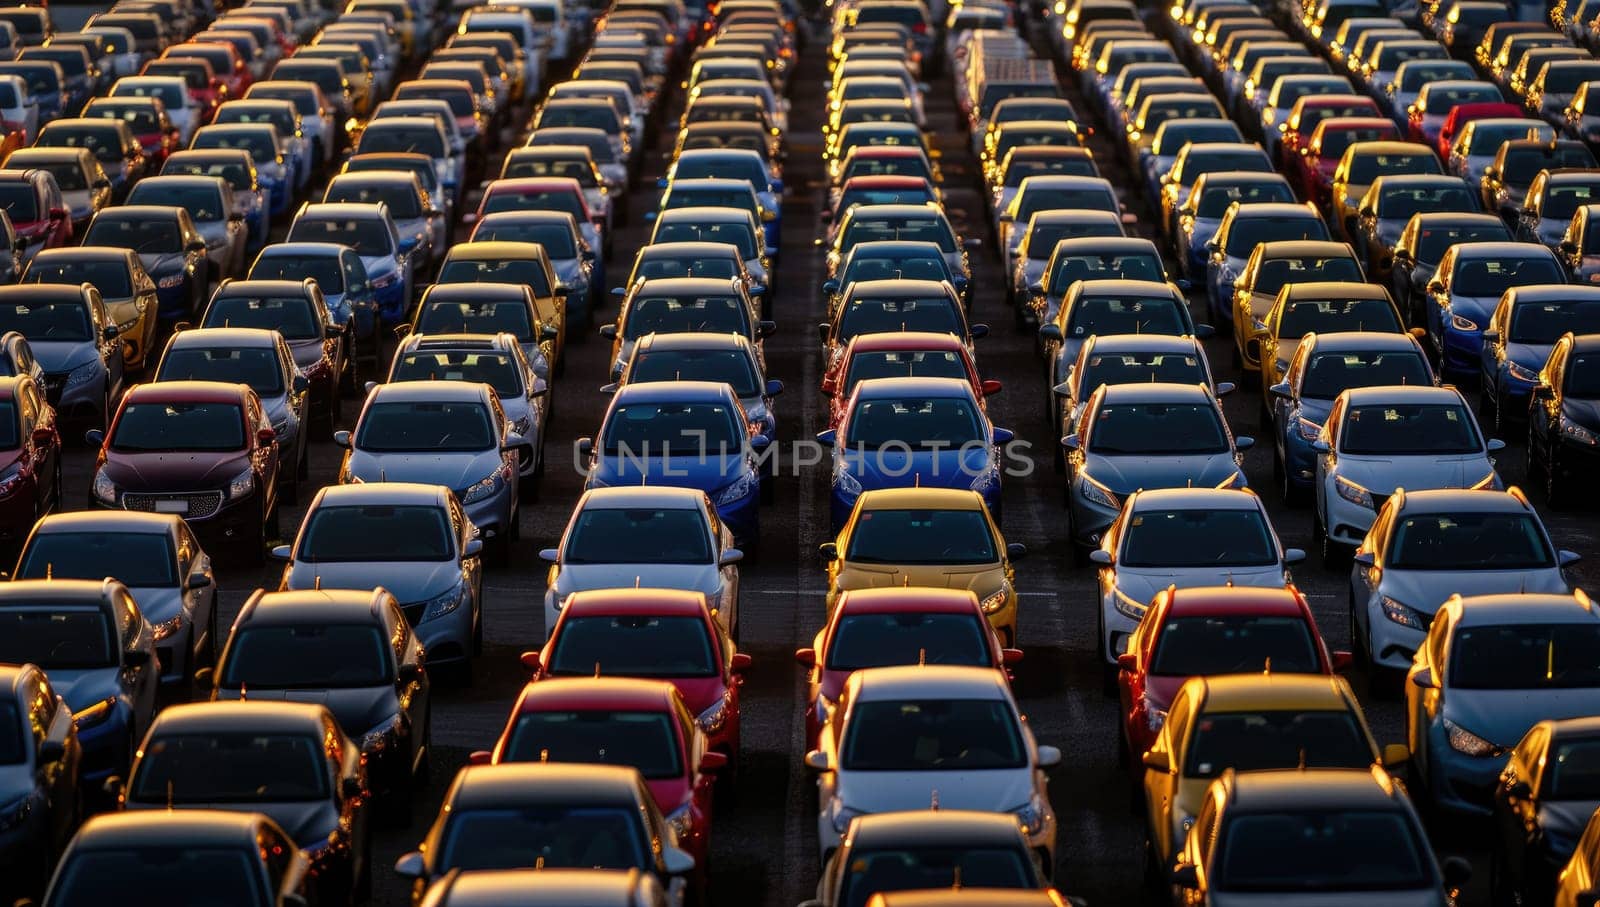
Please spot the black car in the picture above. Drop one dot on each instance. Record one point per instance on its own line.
(1564, 418)
(39, 780)
(170, 247)
(298, 311)
(1541, 802)
(353, 651)
(287, 760)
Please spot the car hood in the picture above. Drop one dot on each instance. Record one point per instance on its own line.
(707, 473)
(1382, 475)
(409, 581)
(452, 470)
(982, 579)
(1426, 590)
(358, 709)
(899, 467)
(1143, 583)
(161, 263)
(158, 604)
(1583, 412)
(1127, 474)
(1503, 716)
(175, 471)
(307, 353)
(83, 688)
(994, 790)
(1315, 410)
(1530, 356)
(1477, 308)
(582, 577)
(305, 822)
(58, 356)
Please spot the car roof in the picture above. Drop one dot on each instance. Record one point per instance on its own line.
(920, 499)
(1275, 210)
(381, 493)
(1271, 692)
(671, 602)
(896, 287)
(701, 213)
(1340, 288)
(24, 592)
(686, 284)
(33, 156)
(1263, 601)
(965, 897)
(272, 250)
(1195, 498)
(694, 340)
(429, 391)
(83, 253)
(907, 600)
(188, 392)
(225, 337)
(1477, 500)
(261, 287)
(1141, 343)
(496, 249)
(1155, 392)
(1411, 393)
(623, 497)
(945, 828)
(1323, 788)
(688, 247)
(673, 391)
(185, 828)
(537, 888)
(896, 388)
(120, 521)
(61, 292)
(572, 693)
(1388, 146)
(311, 607)
(353, 210)
(905, 340)
(1560, 292)
(255, 716)
(1103, 245)
(1363, 340)
(1283, 248)
(927, 682)
(521, 784)
(1523, 608)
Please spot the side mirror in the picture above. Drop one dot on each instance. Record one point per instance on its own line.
(351, 787)
(549, 332)
(300, 383)
(550, 555)
(51, 751)
(1127, 661)
(1568, 558)
(1364, 559)
(730, 557)
(472, 548)
(342, 439)
(830, 286)
(1010, 656)
(1569, 247)
(608, 331)
(408, 673)
(1281, 390)
(43, 436)
(1157, 760)
(972, 244)
(1070, 442)
(1049, 757)
(1004, 436)
(1491, 335)
(1342, 661)
(713, 762)
(199, 245)
(1016, 551)
(774, 387)
(828, 438)
(1457, 871)
(740, 662)
(282, 553)
(585, 447)
(94, 437)
(411, 866)
(1320, 446)
(109, 332)
(1293, 556)
(828, 551)
(1243, 443)
(480, 757)
(824, 330)
(619, 292)
(817, 761)
(1050, 331)
(1544, 392)
(1495, 445)
(1423, 678)
(766, 329)
(266, 437)
(1101, 557)
(137, 658)
(59, 213)
(806, 658)
(197, 581)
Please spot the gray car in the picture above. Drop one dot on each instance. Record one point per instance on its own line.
(658, 536)
(413, 540)
(450, 433)
(70, 332)
(1491, 667)
(703, 356)
(1429, 545)
(1143, 436)
(156, 557)
(209, 201)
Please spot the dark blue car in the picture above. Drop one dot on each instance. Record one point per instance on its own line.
(1517, 342)
(922, 432)
(684, 434)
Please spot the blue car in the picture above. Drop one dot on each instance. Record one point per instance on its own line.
(1465, 290)
(1324, 365)
(684, 434)
(1517, 342)
(905, 432)
(371, 232)
(100, 654)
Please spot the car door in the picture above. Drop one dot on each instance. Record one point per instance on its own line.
(411, 694)
(37, 414)
(140, 679)
(50, 720)
(264, 457)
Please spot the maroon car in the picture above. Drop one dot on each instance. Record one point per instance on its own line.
(149, 121)
(33, 201)
(203, 450)
(30, 458)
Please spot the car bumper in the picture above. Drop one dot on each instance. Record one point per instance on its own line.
(1090, 520)
(1347, 522)
(1392, 645)
(493, 514)
(1461, 351)
(448, 637)
(1460, 783)
(743, 517)
(1118, 627)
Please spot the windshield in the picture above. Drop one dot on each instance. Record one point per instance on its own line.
(452, 427)
(69, 175)
(45, 321)
(685, 314)
(663, 264)
(1364, 168)
(1319, 851)
(1401, 203)
(1234, 644)
(136, 559)
(324, 269)
(1214, 200)
(637, 535)
(936, 423)
(672, 430)
(558, 240)
(172, 97)
(1094, 315)
(525, 271)
(151, 876)
(579, 170)
(731, 367)
(647, 741)
(1461, 541)
(1433, 241)
(1141, 368)
(496, 369)
(204, 203)
(1154, 429)
(1328, 374)
(403, 201)
(1488, 137)
(942, 735)
(1273, 273)
(877, 316)
(57, 638)
(103, 142)
(1094, 266)
(922, 537)
(511, 317)
(375, 532)
(1583, 376)
(1334, 142)
(308, 656)
(111, 278)
(1199, 538)
(1262, 740)
(634, 645)
(1326, 316)
(737, 235)
(1409, 429)
(1543, 323)
(903, 364)
(536, 200)
(230, 767)
(140, 120)
(151, 427)
(1522, 163)
(873, 871)
(1526, 657)
(1566, 79)
(258, 367)
(19, 201)
(906, 638)
(734, 168)
(928, 229)
(1020, 169)
(261, 145)
(381, 137)
(1563, 199)
(369, 236)
(1094, 199)
(546, 837)
(893, 166)
(1570, 771)
(290, 316)
(1440, 101)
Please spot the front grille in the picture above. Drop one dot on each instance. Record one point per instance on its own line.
(413, 612)
(197, 506)
(53, 385)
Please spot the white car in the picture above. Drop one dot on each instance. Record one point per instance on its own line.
(931, 736)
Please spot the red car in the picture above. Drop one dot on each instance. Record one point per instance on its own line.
(1462, 114)
(224, 59)
(897, 354)
(205, 88)
(885, 190)
(664, 634)
(38, 213)
(1313, 109)
(148, 120)
(1312, 169)
(1216, 630)
(620, 721)
(30, 458)
(875, 628)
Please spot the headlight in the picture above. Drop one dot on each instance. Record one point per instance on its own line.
(842, 816)
(1227, 274)
(1522, 374)
(1572, 431)
(242, 485)
(1352, 492)
(1127, 606)
(1309, 430)
(1031, 815)
(737, 489)
(1095, 493)
(994, 601)
(167, 627)
(481, 489)
(713, 720)
(847, 484)
(170, 281)
(1464, 741)
(1462, 324)
(105, 490)
(96, 714)
(15, 813)
(83, 374)
(681, 823)
(1403, 615)
(443, 604)
(379, 738)
(520, 426)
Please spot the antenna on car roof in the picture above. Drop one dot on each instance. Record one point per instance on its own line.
(955, 879)
(933, 802)
(1302, 765)
(316, 582)
(169, 794)
(49, 570)
(544, 754)
(1266, 668)
(922, 657)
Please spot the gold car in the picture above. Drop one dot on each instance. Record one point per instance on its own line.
(1320, 307)
(1249, 722)
(931, 537)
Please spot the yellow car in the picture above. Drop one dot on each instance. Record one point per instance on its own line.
(932, 537)
(1248, 722)
(1321, 307)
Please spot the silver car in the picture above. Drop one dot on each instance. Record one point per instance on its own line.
(1183, 537)
(1429, 545)
(449, 433)
(209, 201)
(1380, 439)
(661, 537)
(413, 540)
